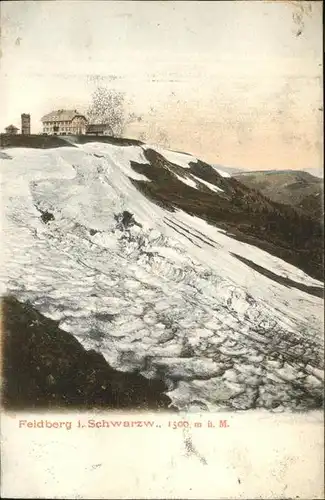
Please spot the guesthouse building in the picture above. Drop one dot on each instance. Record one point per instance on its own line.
(64, 122)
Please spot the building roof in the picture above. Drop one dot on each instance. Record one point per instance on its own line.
(61, 115)
(98, 127)
(12, 127)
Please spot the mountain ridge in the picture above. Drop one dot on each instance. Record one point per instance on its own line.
(240, 202)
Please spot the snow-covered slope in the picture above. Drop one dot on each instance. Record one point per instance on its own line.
(155, 290)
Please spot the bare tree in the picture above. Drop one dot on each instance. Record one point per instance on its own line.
(155, 135)
(109, 106)
(163, 139)
(154, 132)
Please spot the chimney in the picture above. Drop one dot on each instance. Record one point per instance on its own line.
(25, 124)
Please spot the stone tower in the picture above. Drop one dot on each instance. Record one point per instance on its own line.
(25, 124)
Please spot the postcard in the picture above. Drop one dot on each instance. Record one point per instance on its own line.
(162, 330)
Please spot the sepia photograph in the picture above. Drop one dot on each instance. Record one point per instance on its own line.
(161, 238)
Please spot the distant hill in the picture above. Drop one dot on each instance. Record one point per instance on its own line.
(317, 172)
(230, 170)
(291, 187)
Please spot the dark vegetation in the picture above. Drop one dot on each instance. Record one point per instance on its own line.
(119, 141)
(45, 367)
(32, 141)
(296, 188)
(53, 141)
(248, 215)
(313, 204)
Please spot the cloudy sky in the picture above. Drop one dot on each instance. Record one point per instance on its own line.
(237, 83)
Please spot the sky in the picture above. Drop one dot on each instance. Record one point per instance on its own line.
(235, 83)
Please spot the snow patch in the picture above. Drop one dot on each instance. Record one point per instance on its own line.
(221, 172)
(214, 188)
(186, 180)
(181, 159)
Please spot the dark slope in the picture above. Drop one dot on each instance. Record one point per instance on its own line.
(45, 367)
(32, 141)
(313, 204)
(245, 213)
(297, 188)
(120, 141)
(40, 141)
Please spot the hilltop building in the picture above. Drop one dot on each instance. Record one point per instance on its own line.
(99, 129)
(64, 122)
(11, 130)
(25, 124)
(71, 122)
